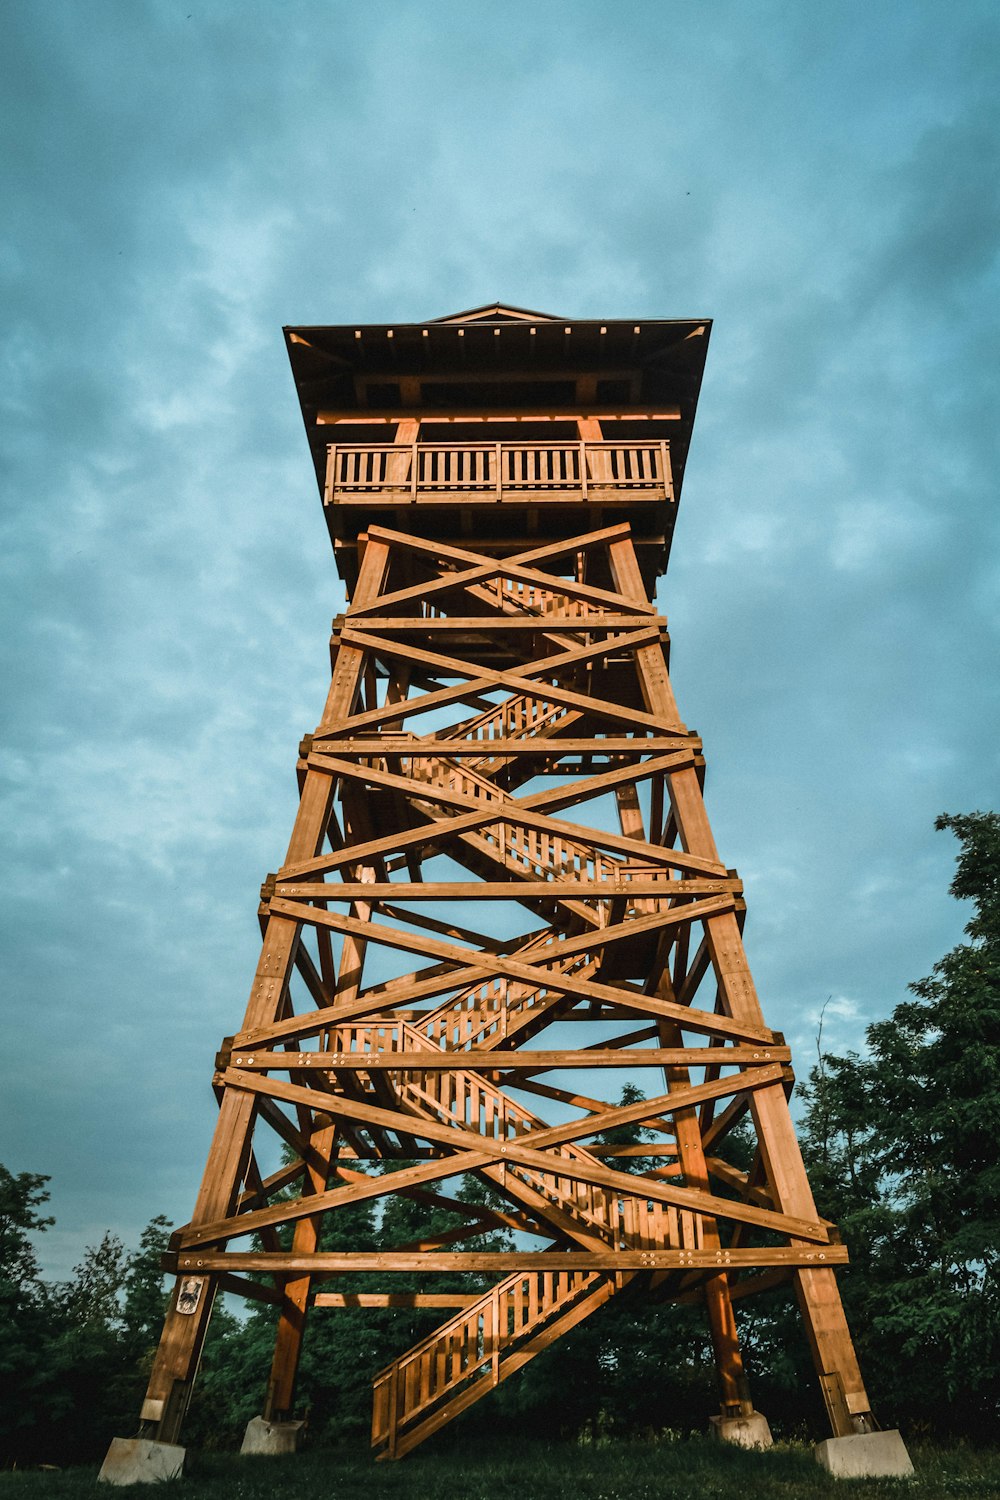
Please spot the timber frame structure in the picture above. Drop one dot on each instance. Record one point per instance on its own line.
(502, 892)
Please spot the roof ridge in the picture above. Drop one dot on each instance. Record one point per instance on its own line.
(496, 311)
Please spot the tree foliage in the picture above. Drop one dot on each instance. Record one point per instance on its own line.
(24, 1310)
(902, 1149)
(74, 1355)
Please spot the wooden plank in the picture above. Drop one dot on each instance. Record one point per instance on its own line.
(499, 621)
(392, 503)
(396, 1299)
(435, 1059)
(367, 416)
(434, 747)
(512, 1260)
(361, 1188)
(508, 890)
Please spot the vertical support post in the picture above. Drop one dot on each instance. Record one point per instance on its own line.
(295, 1295)
(331, 475)
(495, 1351)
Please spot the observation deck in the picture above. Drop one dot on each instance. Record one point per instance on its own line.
(432, 427)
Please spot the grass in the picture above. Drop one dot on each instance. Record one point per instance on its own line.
(692, 1469)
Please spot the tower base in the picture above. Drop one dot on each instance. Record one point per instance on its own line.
(750, 1431)
(141, 1461)
(272, 1438)
(865, 1455)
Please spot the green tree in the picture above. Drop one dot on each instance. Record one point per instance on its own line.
(902, 1150)
(73, 1357)
(106, 1322)
(88, 1357)
(25, 1316)
(144, 1296)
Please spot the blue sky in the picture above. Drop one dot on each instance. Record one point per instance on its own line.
(181, 178)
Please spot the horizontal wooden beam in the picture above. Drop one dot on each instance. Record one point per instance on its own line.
(505, 1262)
(396, 1299)
(401, 498)
(515, 889)
(443, 416)
(500, 621)
(428, 1153)
(436, 1060)
(391, 745)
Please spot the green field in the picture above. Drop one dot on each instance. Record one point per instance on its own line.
(694, 1469)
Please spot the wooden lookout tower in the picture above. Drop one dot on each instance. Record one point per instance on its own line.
(500, 900)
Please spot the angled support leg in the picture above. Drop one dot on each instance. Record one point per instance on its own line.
(186, 1324)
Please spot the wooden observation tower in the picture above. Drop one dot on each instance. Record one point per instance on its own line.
(502, 898)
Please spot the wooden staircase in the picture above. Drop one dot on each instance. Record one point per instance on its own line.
(477, 1348)
(483, 1344)
(470, 1354)
(507, 849)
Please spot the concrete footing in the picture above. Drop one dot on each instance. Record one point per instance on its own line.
(272, 1437)
(865, 1455)
(140, 1461)
(751, 1431)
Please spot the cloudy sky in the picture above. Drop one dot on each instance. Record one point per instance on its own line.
(181, 178)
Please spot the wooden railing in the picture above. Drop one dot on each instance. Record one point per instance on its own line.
(426, 470)
(464, 1358)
